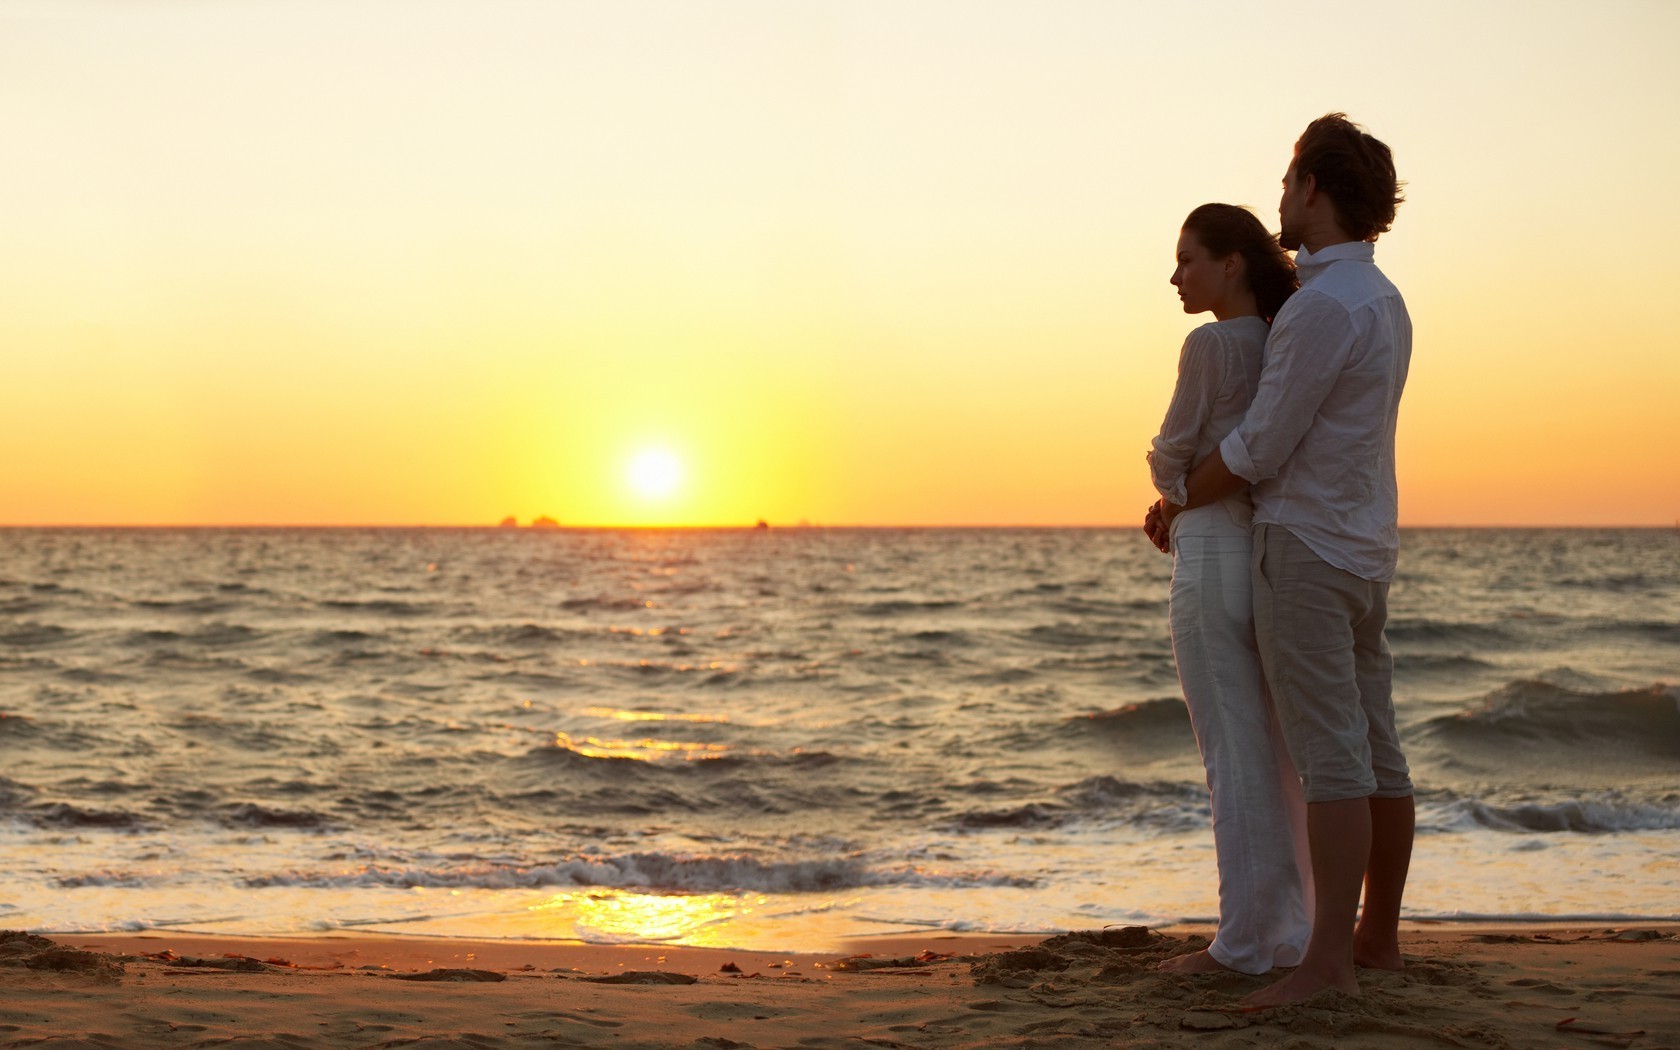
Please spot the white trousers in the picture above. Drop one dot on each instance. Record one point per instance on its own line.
(1259, 816)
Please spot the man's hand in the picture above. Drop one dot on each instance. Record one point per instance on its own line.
(1157, 524)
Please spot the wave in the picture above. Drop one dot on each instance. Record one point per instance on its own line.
(1152, 667)
(30, 635)
(381, 606)
(116, 879)
(1064, 636)
(1615, 582)
(955, 639)
(1660, 631)
(1160, 806)
(277, 676)
(216, 635)
(603, 603)
(1582, 816)
(257, 815)
(89, 675)
(1440, 663)
(1075, 606)
(16, 727)
(1530, 711)
(198, 606)
(525, 635)
(666, 872)
(901, 606)
(1404, 631)
(1003, 676)
(341, 637)
(1147, 715)
(13, 792)
(1505, 918)
(69, 815)
(244, 588)
(648, 756)
(1157, 727)
(537, 679)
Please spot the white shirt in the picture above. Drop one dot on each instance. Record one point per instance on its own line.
(1318, 442)
(1218, 370)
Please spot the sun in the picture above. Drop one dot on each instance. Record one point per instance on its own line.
(654, 473)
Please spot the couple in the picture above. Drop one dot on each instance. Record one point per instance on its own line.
(1276, 469)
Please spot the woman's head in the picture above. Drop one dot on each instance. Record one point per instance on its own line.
(1224, 255)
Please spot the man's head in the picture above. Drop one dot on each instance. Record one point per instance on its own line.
(1340, 174)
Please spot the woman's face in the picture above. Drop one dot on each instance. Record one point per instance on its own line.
(1201, 279)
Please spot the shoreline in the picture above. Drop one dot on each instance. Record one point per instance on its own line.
(1503, 985)
(901, 942)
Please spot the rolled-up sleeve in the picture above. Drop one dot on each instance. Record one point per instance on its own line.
(1200, 373)
(1306, 352)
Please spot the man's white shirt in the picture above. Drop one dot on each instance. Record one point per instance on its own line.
(1317, 444)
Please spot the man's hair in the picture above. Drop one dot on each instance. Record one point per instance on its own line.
(1355, 169)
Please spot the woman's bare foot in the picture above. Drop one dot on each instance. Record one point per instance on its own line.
(1194, 962)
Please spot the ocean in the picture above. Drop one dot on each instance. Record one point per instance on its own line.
(767, 739)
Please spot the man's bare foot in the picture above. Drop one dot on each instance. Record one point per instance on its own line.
(1300, 985)
(1194, 962)
(1378, 960)
(1377, 953)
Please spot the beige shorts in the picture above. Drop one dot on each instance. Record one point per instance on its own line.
(1322, 646)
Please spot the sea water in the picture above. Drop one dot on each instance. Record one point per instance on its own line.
(766, 738)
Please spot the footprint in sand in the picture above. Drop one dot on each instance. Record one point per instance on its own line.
(990, 1004)
(715, 1011)
(560, 1015)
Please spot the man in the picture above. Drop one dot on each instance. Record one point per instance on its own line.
(1317, 445)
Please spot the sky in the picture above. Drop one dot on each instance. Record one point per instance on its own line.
(657, 262)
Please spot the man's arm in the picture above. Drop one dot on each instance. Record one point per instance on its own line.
(1209, 482)
(1305, 354)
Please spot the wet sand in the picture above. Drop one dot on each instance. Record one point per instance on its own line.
(1518, 986)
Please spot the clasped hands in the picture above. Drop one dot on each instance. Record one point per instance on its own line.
(1157, 524)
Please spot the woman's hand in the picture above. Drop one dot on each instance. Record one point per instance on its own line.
(1157, 524)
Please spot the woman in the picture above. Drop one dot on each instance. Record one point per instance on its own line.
(1230, 266)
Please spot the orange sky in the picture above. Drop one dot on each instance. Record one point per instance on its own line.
(851, 263)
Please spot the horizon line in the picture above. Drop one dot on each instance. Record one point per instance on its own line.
(727, 526)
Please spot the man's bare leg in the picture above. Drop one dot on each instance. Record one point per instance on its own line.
(1376, 940)
(1339, 839)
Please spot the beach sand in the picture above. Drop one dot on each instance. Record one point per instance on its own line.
(1531, 986)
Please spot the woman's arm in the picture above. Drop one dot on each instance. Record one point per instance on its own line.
(1200, 372)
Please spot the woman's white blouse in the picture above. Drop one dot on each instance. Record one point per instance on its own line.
(1218, 371)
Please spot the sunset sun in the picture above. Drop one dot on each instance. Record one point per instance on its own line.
(654, 473)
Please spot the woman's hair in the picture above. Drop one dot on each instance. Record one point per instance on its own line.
(1355, 170)
(1225, 229)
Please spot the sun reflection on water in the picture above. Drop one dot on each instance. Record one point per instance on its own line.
(646, 749)
(614, 916)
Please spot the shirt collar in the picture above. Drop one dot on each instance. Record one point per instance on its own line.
(1309, 263)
